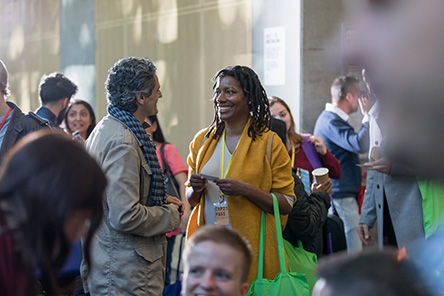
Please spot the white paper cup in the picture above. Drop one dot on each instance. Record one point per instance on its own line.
(320, 175)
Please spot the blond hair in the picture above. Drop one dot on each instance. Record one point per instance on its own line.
(222, 235)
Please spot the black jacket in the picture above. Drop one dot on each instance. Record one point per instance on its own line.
(306, 219)
(19, 126)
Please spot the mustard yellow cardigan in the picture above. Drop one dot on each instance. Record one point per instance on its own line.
(249, 164)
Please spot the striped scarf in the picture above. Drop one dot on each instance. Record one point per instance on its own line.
(157, 196)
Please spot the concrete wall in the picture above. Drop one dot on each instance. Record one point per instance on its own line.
(287, 14)
(29, 46)
(313, 35)
(320, 56)
(78, 46)
(188, 41)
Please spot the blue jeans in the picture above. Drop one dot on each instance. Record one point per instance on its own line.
(169, 255)
(348, 211)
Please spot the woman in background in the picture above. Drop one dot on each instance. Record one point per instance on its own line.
(299, 159)
(47, 201)
(80, 117)
(179, 170)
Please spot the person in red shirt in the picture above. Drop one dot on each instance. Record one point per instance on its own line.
(175, 162)
(179, 170)
(280, 110)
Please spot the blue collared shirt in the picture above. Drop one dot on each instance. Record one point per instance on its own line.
(45, 113)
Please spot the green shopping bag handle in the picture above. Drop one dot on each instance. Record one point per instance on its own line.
(279, 239)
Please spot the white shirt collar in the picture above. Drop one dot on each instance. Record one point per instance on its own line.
(330, 107)
(374, 110)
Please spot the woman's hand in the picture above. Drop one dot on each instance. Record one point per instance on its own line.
(324, 187)
(232, 186)
(319, 144)
(194, 193)
(256, 195)
(198, 182)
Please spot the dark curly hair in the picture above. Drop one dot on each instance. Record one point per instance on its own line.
(127, 78)
(256, 99)
(55, 87)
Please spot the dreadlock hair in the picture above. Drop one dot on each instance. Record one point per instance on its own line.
(256, 99)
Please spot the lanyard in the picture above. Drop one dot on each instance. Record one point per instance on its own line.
(4, 119)
(222, 158)
(222, 162)
(292, 156)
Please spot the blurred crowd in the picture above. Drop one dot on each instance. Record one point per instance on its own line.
(103, 208)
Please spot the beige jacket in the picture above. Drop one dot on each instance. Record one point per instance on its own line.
(128, 251)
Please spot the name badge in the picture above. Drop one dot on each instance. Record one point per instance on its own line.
(222, 216)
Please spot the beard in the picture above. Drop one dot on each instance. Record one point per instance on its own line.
(61, 116)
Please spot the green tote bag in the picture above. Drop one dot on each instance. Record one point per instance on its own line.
(302, 261)
(432, 205)
(285, 283)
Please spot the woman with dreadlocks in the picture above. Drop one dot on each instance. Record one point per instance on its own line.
(233, 173)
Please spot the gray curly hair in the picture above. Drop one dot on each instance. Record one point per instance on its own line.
(127, 78)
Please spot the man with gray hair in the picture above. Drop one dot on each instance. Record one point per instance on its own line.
(14, 125)
(128, 251)
(345, 144)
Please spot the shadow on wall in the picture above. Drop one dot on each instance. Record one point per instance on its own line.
(29, 38)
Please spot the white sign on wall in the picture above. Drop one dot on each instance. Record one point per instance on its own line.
(274, 56)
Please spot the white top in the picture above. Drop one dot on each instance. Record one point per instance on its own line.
(212, 191)
(375, 133)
